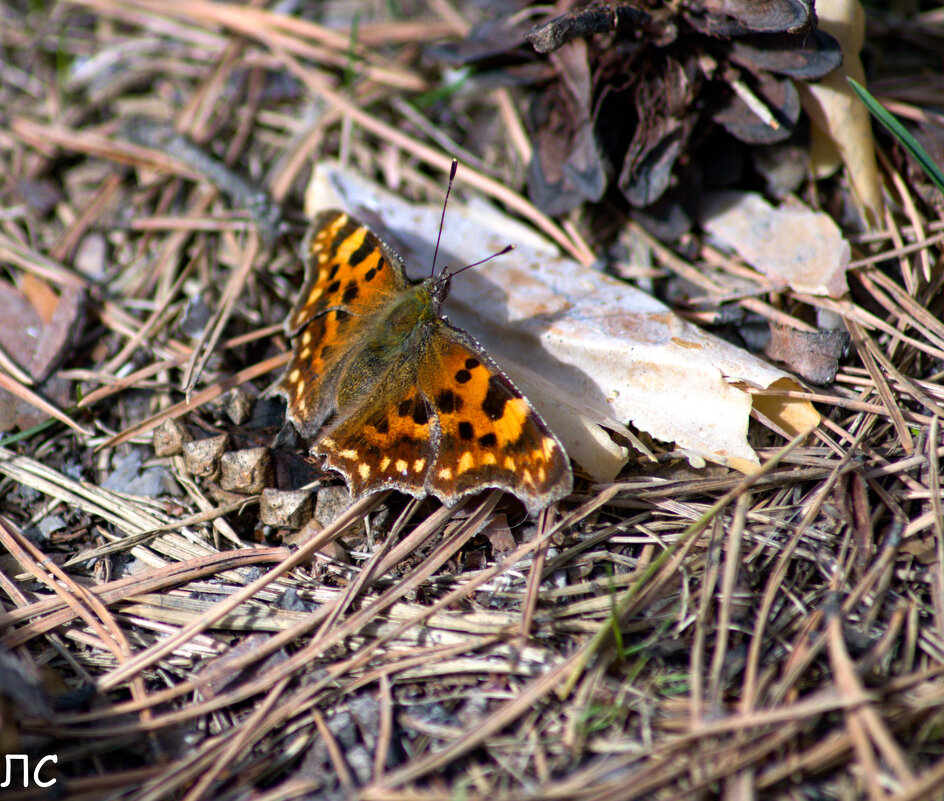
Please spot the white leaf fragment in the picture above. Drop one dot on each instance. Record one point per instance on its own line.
(793, 245)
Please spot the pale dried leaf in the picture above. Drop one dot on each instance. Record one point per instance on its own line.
(838, 113)
(795, 246)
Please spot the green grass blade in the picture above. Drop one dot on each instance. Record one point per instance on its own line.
(900, 133)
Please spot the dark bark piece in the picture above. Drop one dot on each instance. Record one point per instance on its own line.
(645, 181)
(811, 355)
(633, 107)
(59, 334)
(779, 97)
(663, 102)
(727, 18)
(584, 22)
(568, 166)
(806, 57)
(37, 348)
(666, 219)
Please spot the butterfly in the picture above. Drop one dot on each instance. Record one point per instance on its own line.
(393, 396)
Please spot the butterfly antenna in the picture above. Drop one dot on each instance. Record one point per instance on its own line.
(502, 252)
(442, 220)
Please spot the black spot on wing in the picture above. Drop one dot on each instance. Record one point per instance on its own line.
(448, 402)
(333, 287)
(350, 292)
(463, 376)
(499, 393)
(416, 408)
(363, 251)
(420, 412)
(488, 440)
(466, 431)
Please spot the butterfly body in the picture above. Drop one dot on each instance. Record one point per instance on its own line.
(393, 396)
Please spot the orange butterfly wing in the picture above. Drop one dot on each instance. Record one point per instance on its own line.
(489, 433)
(349, 275)
(448, 422)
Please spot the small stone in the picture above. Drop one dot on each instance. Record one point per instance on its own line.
(291, 602)
(195, 317)
(237, 405)
(170, 438)
(125, 470)
(202, 456)
(332, 501)
(248, 471)
(335, 552)
(51, 524)
(91, 256)
(285, 509)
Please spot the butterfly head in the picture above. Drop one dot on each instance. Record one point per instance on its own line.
(438, 287)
